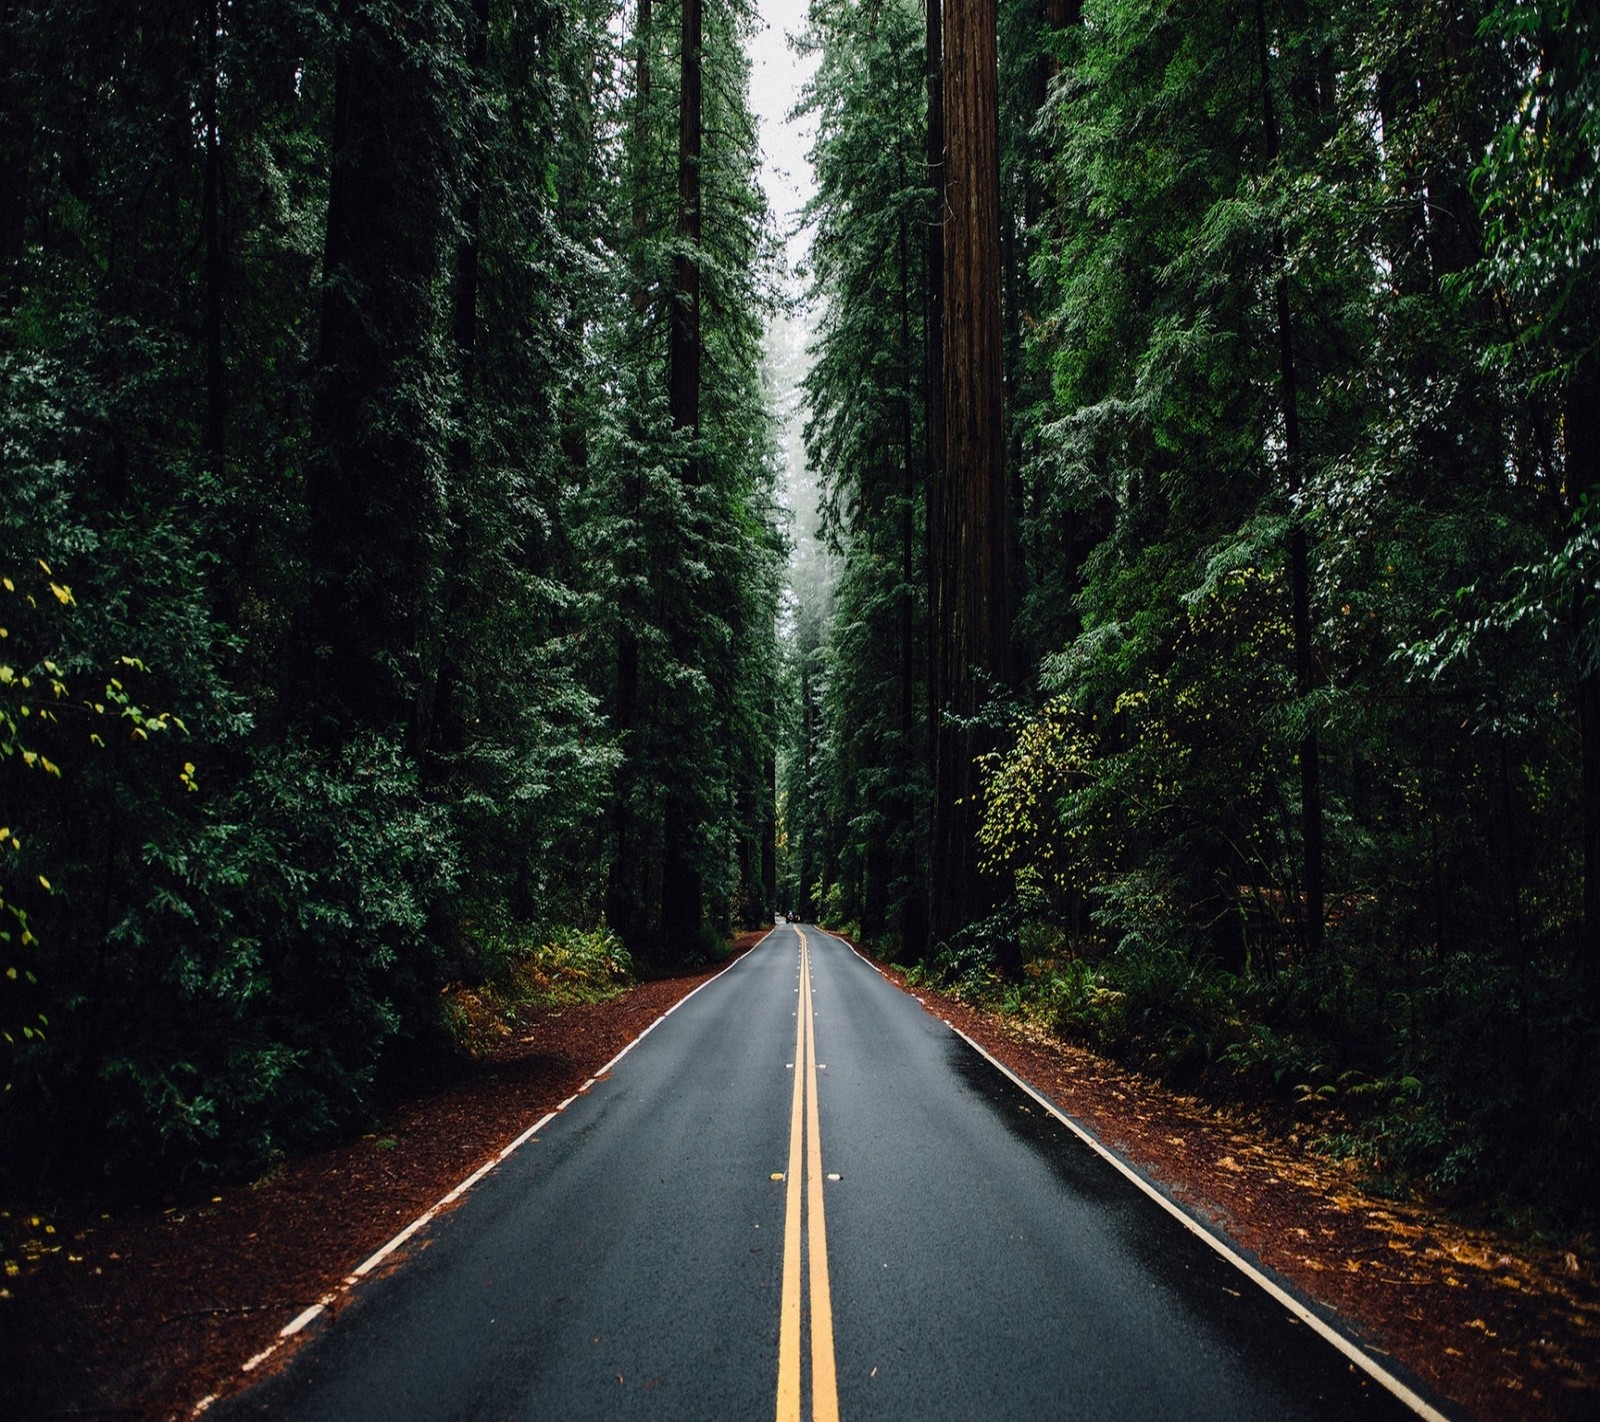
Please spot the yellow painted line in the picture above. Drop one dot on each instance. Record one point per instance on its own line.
(789, 1317)
(805, 1155)
(824, 1379)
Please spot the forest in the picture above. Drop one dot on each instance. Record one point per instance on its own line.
(1197, 654)
(391, 553)
(1200, 659)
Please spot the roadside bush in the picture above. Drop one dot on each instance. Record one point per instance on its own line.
(257, 965)
(967, 965)
(309, 965)
(526, 968)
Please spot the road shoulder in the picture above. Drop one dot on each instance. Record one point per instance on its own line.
(145, 1314)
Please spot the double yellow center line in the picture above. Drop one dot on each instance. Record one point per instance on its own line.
(805, 1140)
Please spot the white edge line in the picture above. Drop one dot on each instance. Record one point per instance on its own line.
(303, 1319)
(527, 1135)
(371, 1262)
(680, 1002)
(1352, 1351)
(868, 961)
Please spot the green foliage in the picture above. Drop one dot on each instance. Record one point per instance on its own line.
(965, 966)
(1536, 180)
(859, 804)
(524, 969)
(1421, 196)
(321, 385)
(678, 527)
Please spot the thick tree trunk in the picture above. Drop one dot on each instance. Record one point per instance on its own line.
(972, 584)
(933, 394)
(372, 487)
(1581, 438)
(625, 895)
(681, 899)
(1299, 554)
(438, 725)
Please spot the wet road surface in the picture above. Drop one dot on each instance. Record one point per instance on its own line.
(765, 1212)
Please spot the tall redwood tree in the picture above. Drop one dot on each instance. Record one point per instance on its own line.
(970, 579)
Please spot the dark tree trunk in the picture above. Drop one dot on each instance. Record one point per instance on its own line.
(1299, 554)
(769, 835)
(438, 722)
(972, 583)
(809, 828)
(211, 221)
(1581, 433)
(373, 483)
(626, 899)
(681, 899)
(933, 394)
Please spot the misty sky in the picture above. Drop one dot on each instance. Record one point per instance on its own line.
(775, 79)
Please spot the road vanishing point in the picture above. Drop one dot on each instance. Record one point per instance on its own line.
(800, 1196)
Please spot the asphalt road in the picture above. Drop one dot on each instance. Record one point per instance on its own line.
(654, 1251)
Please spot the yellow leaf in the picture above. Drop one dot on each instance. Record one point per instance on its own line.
(63, 595)
(45, 882)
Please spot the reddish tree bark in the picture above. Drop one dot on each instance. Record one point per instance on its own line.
(971, 584)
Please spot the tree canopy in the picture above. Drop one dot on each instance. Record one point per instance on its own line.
(339, 470)
(1199, 650)
(1289, 757)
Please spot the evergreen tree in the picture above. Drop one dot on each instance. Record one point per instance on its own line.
(865, 396)
(687, 498)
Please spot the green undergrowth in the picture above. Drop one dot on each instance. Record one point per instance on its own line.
(522, 968)
(1426, 1106)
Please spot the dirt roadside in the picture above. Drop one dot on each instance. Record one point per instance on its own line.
(144, 1315)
